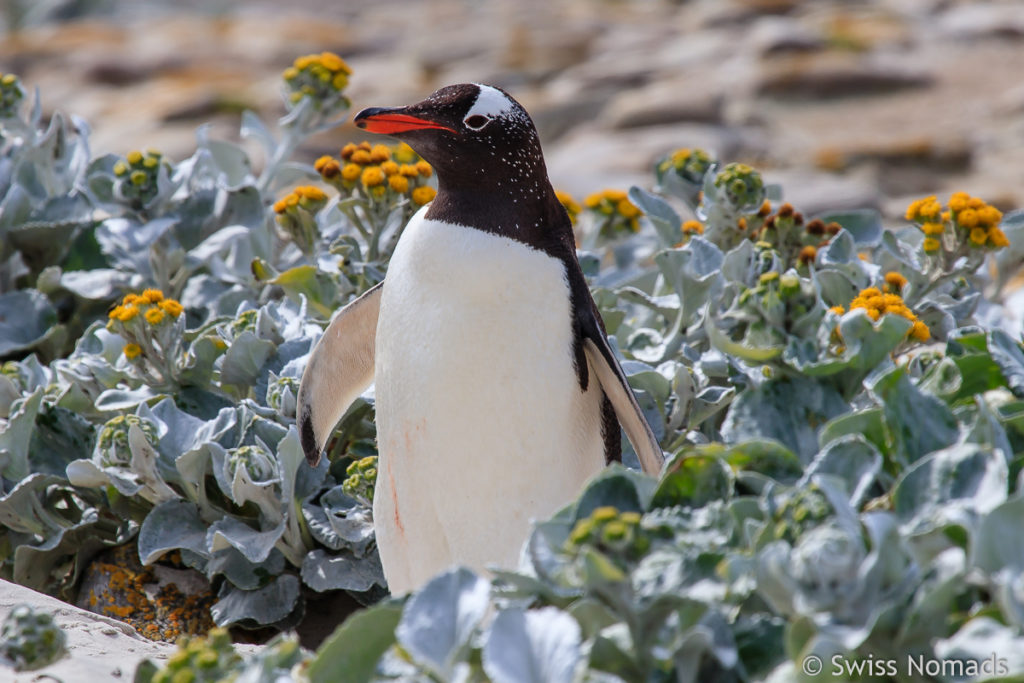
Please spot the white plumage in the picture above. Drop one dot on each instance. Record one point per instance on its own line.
(479, 407)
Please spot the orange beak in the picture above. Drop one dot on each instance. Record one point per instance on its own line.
(393, 122)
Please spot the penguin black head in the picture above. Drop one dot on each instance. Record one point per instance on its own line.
(487, 156)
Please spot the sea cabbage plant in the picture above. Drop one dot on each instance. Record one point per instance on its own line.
(842, 412)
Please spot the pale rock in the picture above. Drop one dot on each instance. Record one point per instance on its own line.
(100, 649)
(829, 75)
(666, 102)
(983, 20)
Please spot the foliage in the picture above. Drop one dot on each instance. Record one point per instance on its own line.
(842, 418)
(30, 639)
(213, 659)
(835, 487)
(159, 403)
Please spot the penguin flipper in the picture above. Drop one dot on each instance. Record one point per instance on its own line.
(339, 370)
(616, 388)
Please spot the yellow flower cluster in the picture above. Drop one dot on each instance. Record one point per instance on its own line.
(969, 220)
(689, 164)
(379, 172)
(319, 76)
(11, 95)
(137, 174)
(308, 197)
(569, 204)
(150, 306)
(621, 213)
(877, 303)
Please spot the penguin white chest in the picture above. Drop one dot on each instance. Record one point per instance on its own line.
(482, 425)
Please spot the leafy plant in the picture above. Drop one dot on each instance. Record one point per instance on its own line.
(30, 639)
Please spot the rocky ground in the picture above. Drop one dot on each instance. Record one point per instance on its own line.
(846, 103)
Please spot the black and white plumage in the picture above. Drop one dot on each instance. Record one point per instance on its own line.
(497, 393)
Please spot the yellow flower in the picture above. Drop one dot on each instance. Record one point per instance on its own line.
(998, 238)
(627, 209)
(310, 192)
(155, 316)
(958, 202)
(399, 184)
(978, 236)
(120, 168)
(968, 218)
(138, 177)
(361, 156)
(692, 227)
(380, 153)
(134, 157)
(172, 307)
(132, 351)
(808, 254)
(350, 172)
(989, 215)
(348, 150)
(933, 229)
(895, 280)
(126, 313)
(290, 74)
(151, 162)
(409, 170)
(378, 192)
(569, 204)
(768, 277)
(931, 244)
(153, 296)
(132, 299)
(423, 195)
(591, 201)
(390, 168)
(838, 310)
(334, 63)
(424, 168)
(323, 161)
(920, 331)
(372, 176)
(339, 81)
(404, 154)
(280, 206)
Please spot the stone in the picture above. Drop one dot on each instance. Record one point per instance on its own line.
(837, 75)
(100, 649)
(983, 20)
(773, 36)
(674, 101)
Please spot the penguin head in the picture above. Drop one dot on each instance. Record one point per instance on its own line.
(473, 135)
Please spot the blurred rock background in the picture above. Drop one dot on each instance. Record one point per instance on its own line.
(848, 104)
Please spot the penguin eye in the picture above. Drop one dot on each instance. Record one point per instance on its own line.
(476, 121)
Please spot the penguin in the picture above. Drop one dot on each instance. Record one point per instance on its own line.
(497, 393)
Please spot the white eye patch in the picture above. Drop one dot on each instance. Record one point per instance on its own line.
(491, 103)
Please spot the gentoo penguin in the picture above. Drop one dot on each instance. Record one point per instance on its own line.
(496, 390)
